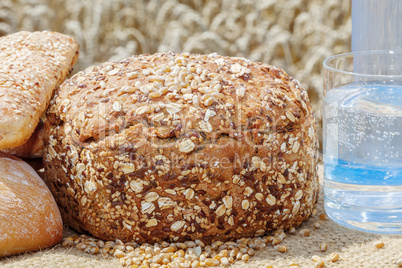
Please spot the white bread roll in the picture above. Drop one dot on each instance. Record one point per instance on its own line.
(29, 217)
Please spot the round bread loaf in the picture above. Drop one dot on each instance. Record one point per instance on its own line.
(181, 147)
(29, 217)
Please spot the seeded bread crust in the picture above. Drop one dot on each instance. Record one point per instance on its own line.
(181, 147)
(32, 65)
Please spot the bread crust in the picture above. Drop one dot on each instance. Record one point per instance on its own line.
(32, 65)
(33, 148)
(29, 217)
(181, 147)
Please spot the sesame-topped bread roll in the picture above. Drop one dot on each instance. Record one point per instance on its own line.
(32, 65)
(181, 147)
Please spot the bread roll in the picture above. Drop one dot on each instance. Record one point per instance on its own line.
(32, 65)
(29, 217)
(181, 147)
(33, 148)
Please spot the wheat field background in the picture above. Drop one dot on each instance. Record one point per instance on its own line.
(296, 35)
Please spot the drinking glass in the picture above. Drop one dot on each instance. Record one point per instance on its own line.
(362, 140)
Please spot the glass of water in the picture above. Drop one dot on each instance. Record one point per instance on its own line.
(362, 138)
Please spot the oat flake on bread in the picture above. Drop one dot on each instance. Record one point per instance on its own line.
(181, 147)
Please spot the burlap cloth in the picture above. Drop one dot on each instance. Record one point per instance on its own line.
(355, 249)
